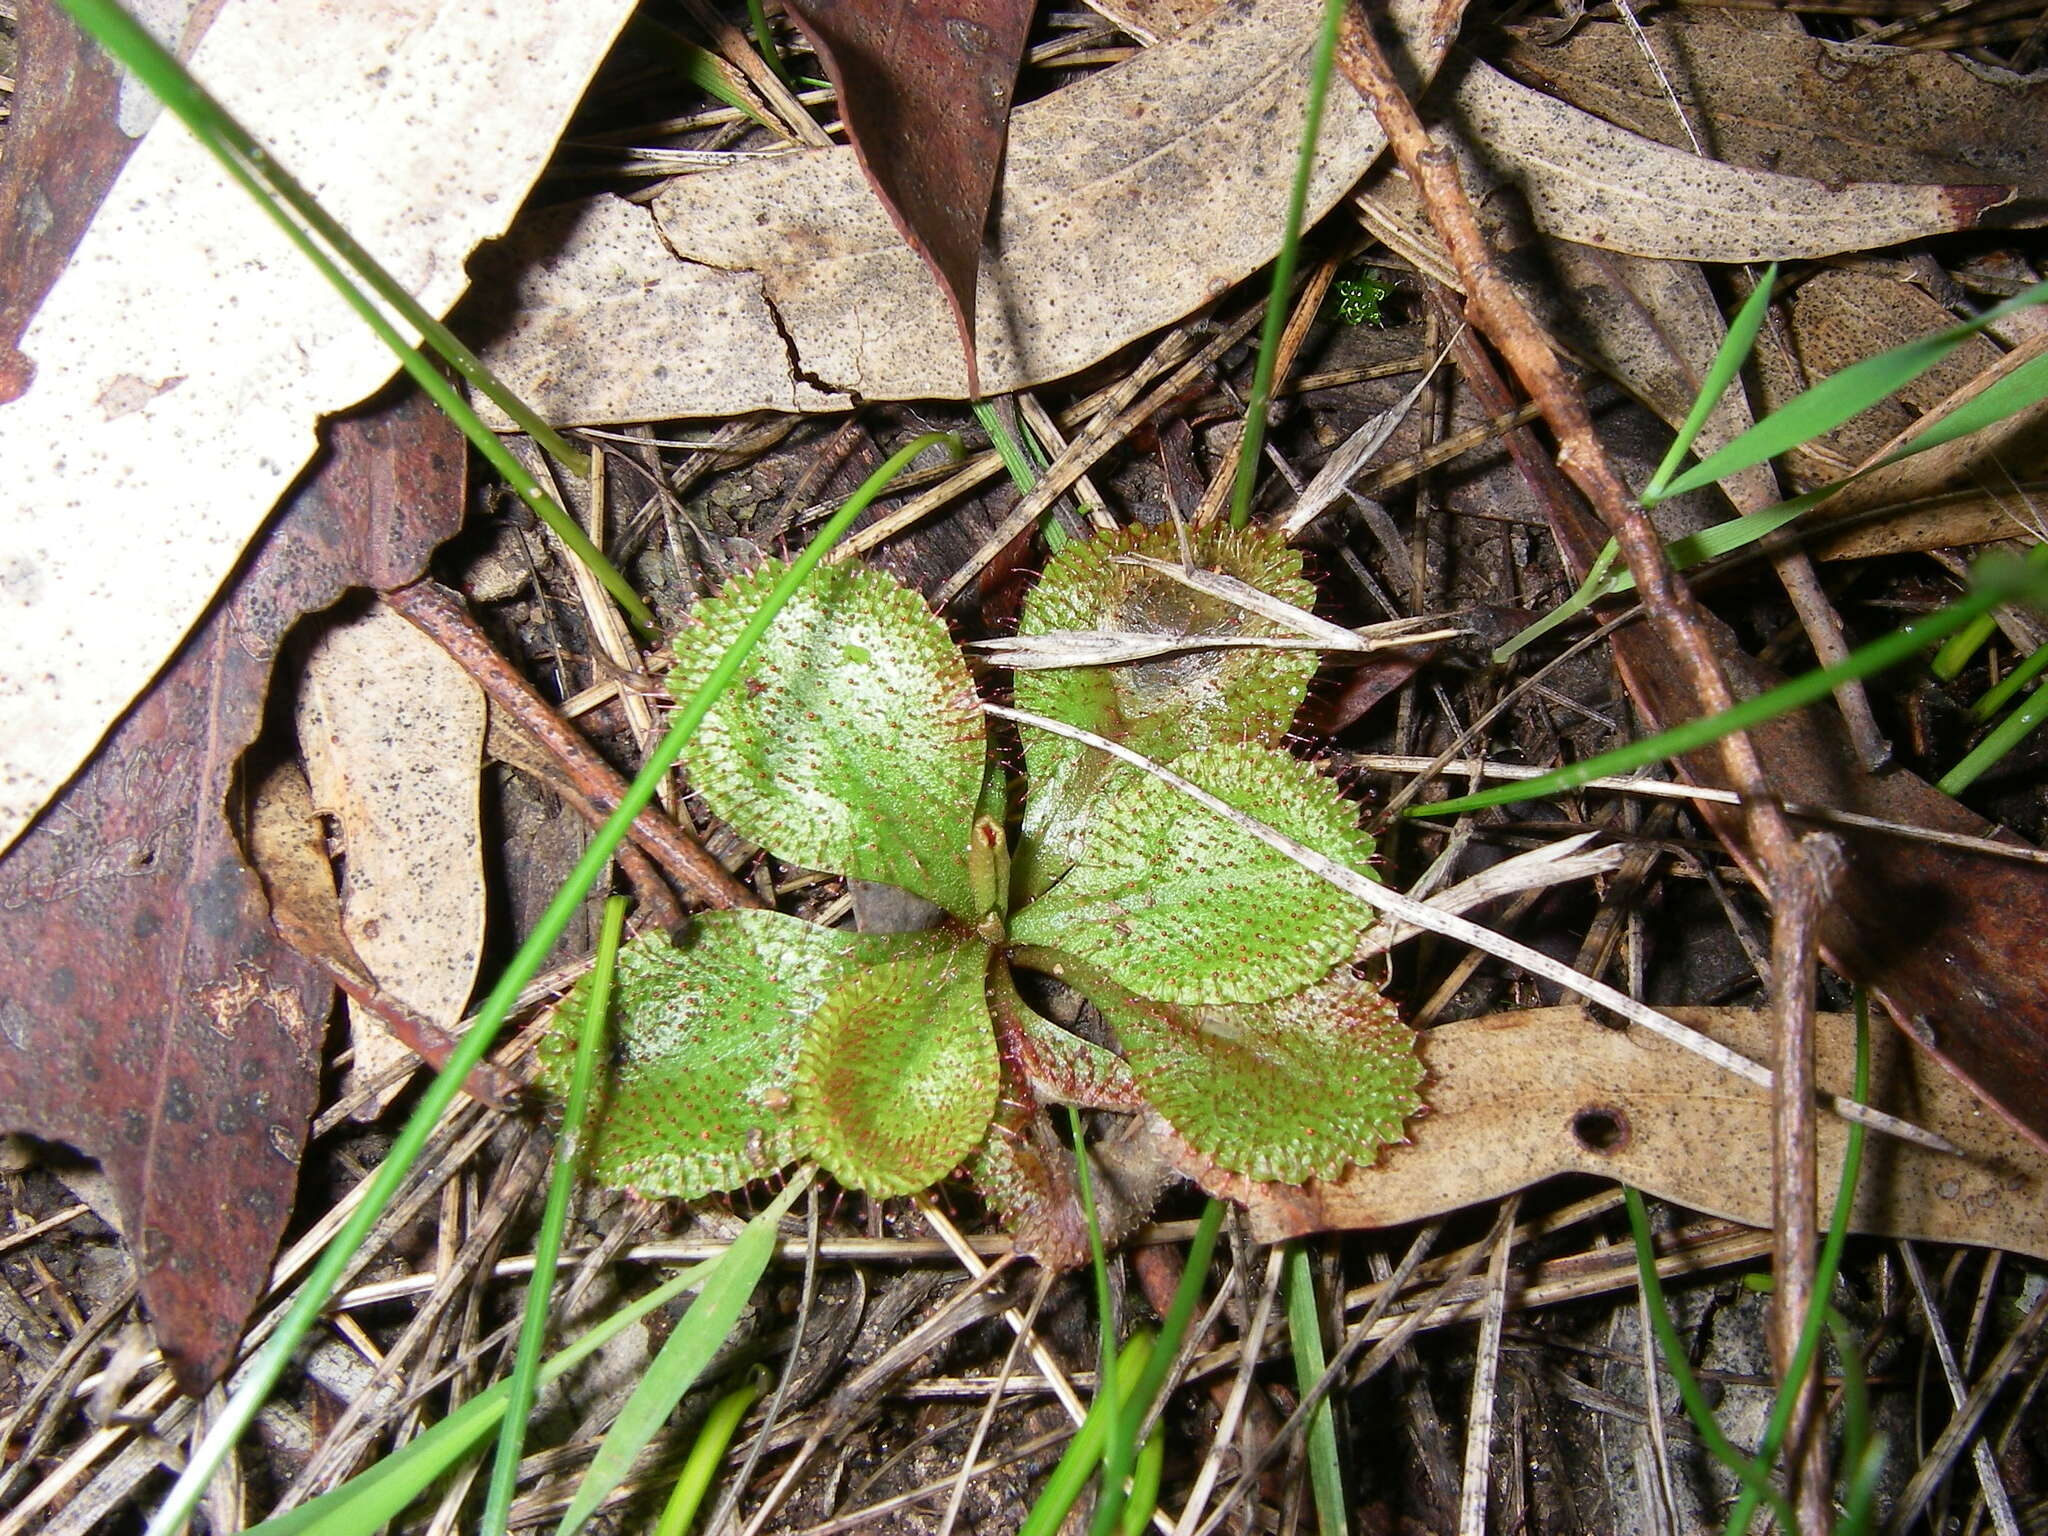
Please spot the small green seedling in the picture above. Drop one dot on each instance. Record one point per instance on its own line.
(856, 743)
(1362, 300)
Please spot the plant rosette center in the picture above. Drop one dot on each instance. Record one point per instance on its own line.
(1223, 1001)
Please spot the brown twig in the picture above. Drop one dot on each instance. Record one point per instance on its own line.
(1496, 309)
(1796, 896)
(440, 614)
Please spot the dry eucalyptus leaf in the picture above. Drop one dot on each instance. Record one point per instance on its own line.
(1786, 101)
(1585, 180)
(392, 733)
(182, 361)
(1955, 520)
(1588, 181)
(1129, 199)
(1515, 1098)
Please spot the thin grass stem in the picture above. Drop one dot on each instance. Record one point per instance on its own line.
(1755, 1480)
(1283, 270)
(1829, 1266)
(1305, 1329)
(2007, 734)
(1728, 361)
(764, 39)
(712, 1441)
(547, 1246)
(1145, 1475)
(1117, 1449)
(2008, 687)
(1084, 1451)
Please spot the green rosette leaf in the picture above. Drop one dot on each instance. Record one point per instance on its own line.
(1299, 1088)
(852, 740)
(897, 1072)
(1164, 707)
(1175, 903)
(704, 1048)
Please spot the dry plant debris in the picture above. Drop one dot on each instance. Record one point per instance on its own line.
(411, 143)
(896, 1358)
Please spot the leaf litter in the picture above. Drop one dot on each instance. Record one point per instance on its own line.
(1423, 1126)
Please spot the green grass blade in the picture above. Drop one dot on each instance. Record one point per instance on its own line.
(1283, 270)
(2021, 388)
(1755, 1482)
(1601, 581)
(1994, 583)
(2007, 734)
(2015, 392)
(1023, 473)
(382, 1491)
(706, 1451)
(1084, 1451)
(1728, 361)
(703, 68)
(1847, 393)
(268, 1364)
(1957, 651)
(1143, 1366)
(1305, 1328)
(675, 1370)
(764, 39)
(1145, 1476)
(1859, 1504)
(547, 1247)
(2009, 686)
(1119, 1430)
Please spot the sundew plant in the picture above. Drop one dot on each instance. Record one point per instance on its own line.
(855, 742)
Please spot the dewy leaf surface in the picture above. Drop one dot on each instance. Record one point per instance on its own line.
(852, 741)
(1163, 707)
(897, 1073)
(1285, 1091)
(1177, 904)
(704, 1048)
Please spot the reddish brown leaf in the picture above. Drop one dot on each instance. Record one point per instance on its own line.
(924, 87)
(63, 151)
(149, 1015)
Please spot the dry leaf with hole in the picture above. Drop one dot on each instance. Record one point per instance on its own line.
(1516, 1098)
(187, 331)
(1942, 935)
(391, 730)
(1129, 199)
